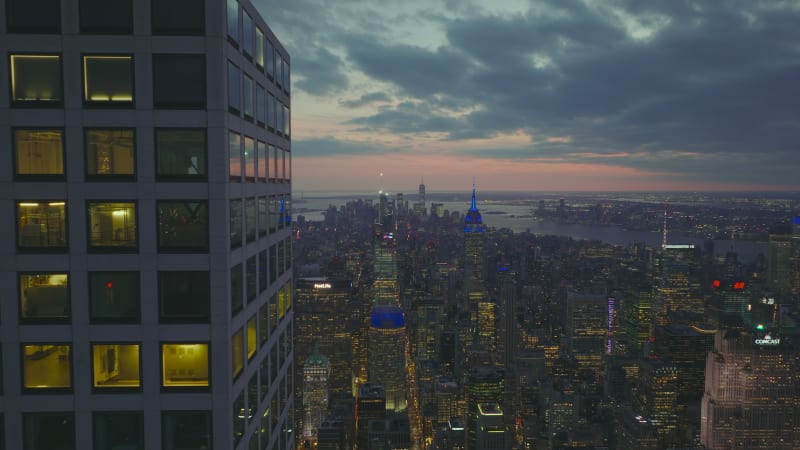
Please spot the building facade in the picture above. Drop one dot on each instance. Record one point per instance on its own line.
(146, 193)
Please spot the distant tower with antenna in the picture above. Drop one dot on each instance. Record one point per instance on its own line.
(664, 229)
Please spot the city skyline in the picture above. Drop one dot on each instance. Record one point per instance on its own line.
(525, 96)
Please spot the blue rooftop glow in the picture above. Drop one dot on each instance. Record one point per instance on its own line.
(387, 317)
(796, 220)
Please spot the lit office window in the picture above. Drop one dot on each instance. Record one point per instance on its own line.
(181, 153)
(259, 48)
(181, 430)
(122, 430)
(48, 430)
(236, 212)
(261, 106)
(251, 278)
(110, 153)
(179, 81)
(44, 297)
(40, 17)
(237, 353)
(42, 225)
(39, 153)
(237, 289)
(233, 22)
(114, 297)
(185, 365)
(106, 16)
(262, 216)
(182, 226)
(234, 89)
(250, 219)
(261, 161)
(46, 366)
(108, 80)
(178, 17)
(116, 366)
(235, 156)
(184, 297)
(247, 34)
(112, 225)
(36, 80)
(252, 337)
(249, 159)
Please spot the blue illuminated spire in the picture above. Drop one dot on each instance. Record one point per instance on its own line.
(473, 222)
(474, 206)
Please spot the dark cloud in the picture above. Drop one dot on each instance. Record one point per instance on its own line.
(367, 99)
(330, 146)
(320, 72)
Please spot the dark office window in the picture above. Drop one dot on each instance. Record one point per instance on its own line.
(262, 216)
(118, 430)
(184, 297)
(42, 226)
(112, 226)
(261, 105)
(238, 418)
(237, 289)
(39, 153)
(234, 89)
(262, 271)
(261, 161)
(179, 81)
(44, 297)
(250, 219)
(247, 34)
(234, 156)
(271, 111)
(108, 81)
(251, 279)
(48, 431)
(252, 397)
(249, 159)
(106, 16)
(181, 430)
(236, 213)
(110, 153)
(178, 17)
(114, 297)
(247, 98)
(181, 153)
(263, 374)
(26, 16)
(270, 59)
(36, 80)
(273, 264)
(182, 226)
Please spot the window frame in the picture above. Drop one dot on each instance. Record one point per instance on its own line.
(110, 103)
(56, 104)
(56, 4)
(180, 177)
(111, 249)
(33, 176)
(164, 248)
(114, 389)
(42, 249)
(93, 177)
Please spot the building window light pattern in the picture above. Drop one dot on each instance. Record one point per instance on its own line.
(44, 296)
(110, 153)
(42, 225)
(116, 366)
(112, 225)
(36, 80)
(39, 153)
(108, 80)
(46, 366)
(185, 365)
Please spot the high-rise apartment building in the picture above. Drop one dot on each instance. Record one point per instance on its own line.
(146, 182)
(316, 373)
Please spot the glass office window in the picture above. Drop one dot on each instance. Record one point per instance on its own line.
(262, 216)
(263, 324)
(250, 275)
(42, 225)
(234, 89)
(273, 313)
(178, 17)
(112, 225)
(182, 430)
(261, 160)
(116, 366)
(279, 110)
(184, 296)
(273, 176)
(278, 69)
(39, 153)
(247, 34)
(48, 431)
(250, 219)
(235, 156)
(182, 225)
(181, 153)
(273, 264)
(270, 59)
(263, 378)
(233, 22)
(261, 105)
(110, 153)
(237, 353)
(108, 80)
(252, 337)
(252, 399)
(118, 430)
(106, 16)
(286, 127)
(236, 212)
(44, 296)
(259, 48)
(262, 271)
(273, 213)
(238, 418)
(249, 159)
(40, 17)
(114, 297)
(185, 365)
(46, 366)
(237, 289)
(36, 80)
(179, 81)
(247, 97)
(270, 111)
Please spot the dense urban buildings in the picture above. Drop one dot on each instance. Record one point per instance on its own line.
(146, 198)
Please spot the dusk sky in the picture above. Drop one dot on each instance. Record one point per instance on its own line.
(560, 95)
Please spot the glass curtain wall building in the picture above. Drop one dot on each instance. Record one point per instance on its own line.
(145, 190)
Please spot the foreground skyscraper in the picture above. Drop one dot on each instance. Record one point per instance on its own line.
(145, 211)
